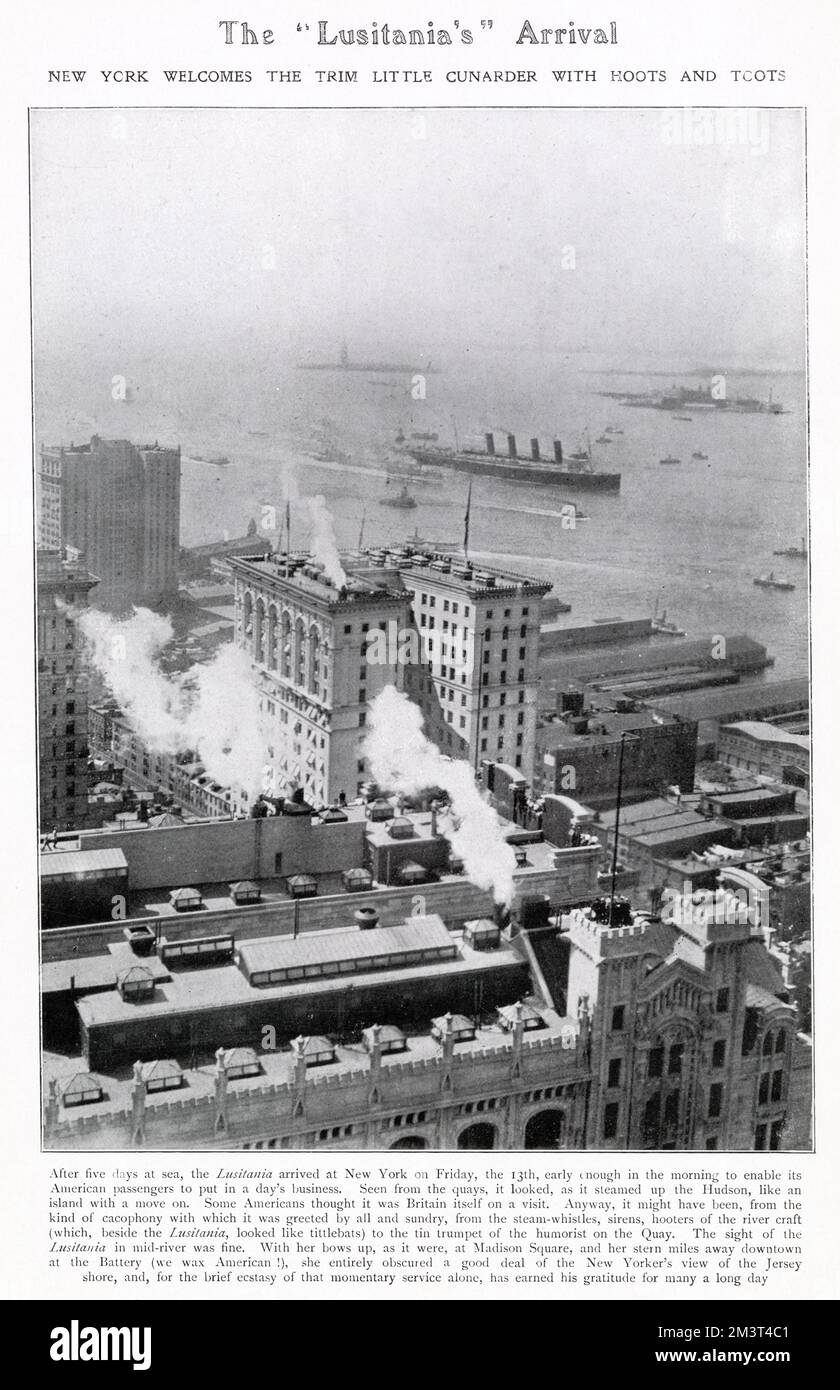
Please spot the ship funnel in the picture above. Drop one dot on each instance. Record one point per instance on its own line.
(512, 445)
(491, 443)
(535, 450)
(558, 451)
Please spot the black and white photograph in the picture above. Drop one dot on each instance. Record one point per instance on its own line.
(422, 556)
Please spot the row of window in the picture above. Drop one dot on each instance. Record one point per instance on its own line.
(478, 1107)
(414, 1117)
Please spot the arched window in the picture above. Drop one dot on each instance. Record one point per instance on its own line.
(313, 672)
(286, 645)
(259, 632)
(299, 676)
(271, 653)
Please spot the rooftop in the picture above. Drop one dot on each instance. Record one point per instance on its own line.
(768, 733)
(59, 863)
(278, 1066)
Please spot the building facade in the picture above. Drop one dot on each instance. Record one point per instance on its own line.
(308, 640)
(119, 505)
(582, 757)
(63, 587)
(477, 678)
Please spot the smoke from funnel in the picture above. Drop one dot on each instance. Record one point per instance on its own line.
(402, 759)
(323, 544)
(212, 710)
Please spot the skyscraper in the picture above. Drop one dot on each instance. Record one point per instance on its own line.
(119, 505)
(63, 587)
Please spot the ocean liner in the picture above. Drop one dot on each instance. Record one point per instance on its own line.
(514, 467)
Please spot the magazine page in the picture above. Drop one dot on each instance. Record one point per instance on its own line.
(420, 497)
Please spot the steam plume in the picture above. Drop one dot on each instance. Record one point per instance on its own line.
(404, 760)
(211, 710)
(323, 545)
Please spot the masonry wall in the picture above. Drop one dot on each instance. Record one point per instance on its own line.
(218, 851)
(456, 900)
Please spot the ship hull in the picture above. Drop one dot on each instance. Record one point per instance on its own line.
(519, 470)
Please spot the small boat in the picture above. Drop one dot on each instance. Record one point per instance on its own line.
(425, 543)
(426, 435)
(769, 581)
(603, 439)
(259, 434)
(613, 429)
(698, 454)
(219, 460)
(403, 500)
(660, 624)
(669, 459)
(794, 552)
(688, 418)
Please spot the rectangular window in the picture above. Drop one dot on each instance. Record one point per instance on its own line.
(614, 1072)
(722, 1001)
(715, 1100)
(776, 1088)
(761, 1137)
(764, 1088)
(719, 1053)
(776, 1133)
(617, 1018)
(611, 1120)
(675, 1059)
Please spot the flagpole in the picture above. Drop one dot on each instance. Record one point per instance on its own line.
(467, 522)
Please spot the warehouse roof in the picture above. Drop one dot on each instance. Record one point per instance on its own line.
(768, 733)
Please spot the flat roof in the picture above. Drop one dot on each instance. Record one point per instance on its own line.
(278, 1066)
(320, 948)
(742, 698)
(212, 987)
(57, 862)
(768, 733)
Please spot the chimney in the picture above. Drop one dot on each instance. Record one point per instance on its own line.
(535, 450)
(512, 445)
(434, 809)
(491, 443)
(558, 451)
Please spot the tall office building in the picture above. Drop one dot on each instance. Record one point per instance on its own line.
(118, 504)
(308, 640)
(460, 640)
(63, 586)
(477, 678)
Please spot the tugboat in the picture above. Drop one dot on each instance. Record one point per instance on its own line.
(603, 439)
(698, 454)
(669, 459)
(661, 624)
(769, 581)
(794, 552)
(403, 500)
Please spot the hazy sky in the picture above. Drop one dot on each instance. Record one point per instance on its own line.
(175, 230)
